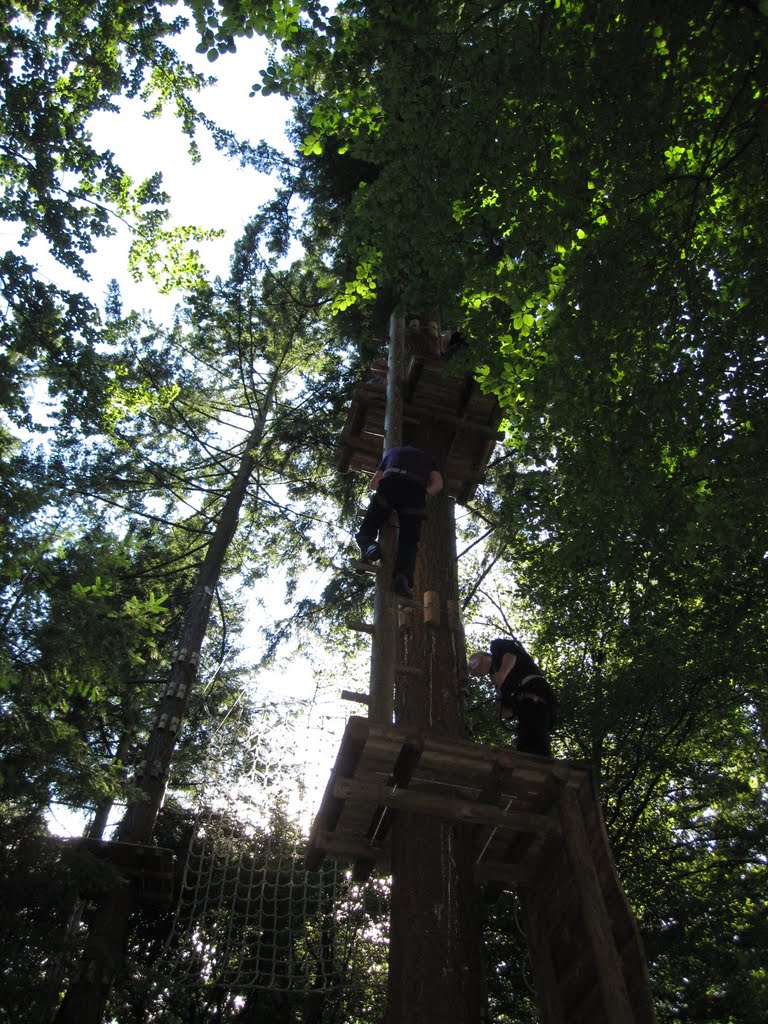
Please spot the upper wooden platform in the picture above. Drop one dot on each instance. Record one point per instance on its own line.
(433, 392)
(536, 825)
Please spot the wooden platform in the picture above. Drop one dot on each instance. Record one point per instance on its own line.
(537, 826)
(148, 868)
(432, 392)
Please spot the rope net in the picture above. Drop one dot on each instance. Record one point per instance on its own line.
(250, 916)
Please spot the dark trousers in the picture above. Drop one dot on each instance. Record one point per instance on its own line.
(408, 498)
(533, 705)
(534, 722)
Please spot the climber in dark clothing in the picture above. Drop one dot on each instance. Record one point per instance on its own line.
(403, 480)
(522, 693)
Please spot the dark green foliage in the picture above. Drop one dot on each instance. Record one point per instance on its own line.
(37, 898)
(590, 179)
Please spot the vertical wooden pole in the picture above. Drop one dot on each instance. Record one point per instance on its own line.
(385, 631)
(393, 417)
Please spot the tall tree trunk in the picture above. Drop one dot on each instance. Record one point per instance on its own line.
(86, 998)
(435, 969)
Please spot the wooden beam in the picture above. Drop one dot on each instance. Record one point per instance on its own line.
(347, 846)
(363, 868)
(359, 698)
(610, 973)
(352, 744)
(420, 801)
(462, 424)
(365, 568)
(359, 626)
(407, 760)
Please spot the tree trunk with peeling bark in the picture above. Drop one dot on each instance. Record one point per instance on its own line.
(435, 969)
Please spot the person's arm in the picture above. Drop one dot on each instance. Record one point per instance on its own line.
(376, 479)
(435, 484)
(507, 664)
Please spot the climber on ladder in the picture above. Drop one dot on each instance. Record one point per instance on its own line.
(404, 478)
(522, 692)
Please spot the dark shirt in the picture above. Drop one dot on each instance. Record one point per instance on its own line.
(413, 460)
(524, 666)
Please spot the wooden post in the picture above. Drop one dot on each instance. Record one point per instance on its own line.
(393, 417)
(432, 608)
(385, 619)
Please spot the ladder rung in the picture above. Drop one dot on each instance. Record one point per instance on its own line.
(359, 698)
(405, 670)
(361, 627)
(365, 567)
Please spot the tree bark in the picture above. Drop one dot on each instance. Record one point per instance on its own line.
(436, 966)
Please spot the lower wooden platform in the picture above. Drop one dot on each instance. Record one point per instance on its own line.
(537, 826)
(148, 868)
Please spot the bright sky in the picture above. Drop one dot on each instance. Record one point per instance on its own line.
(215, 193)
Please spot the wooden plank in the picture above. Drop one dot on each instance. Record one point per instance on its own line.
(363, 868)
(407, 760)
(491, 791)
(625, 931)
(616, 1005)
(420, 801)
(348, 846)
(463, 764)
(365, 568)
(431, 408)
(352, 745)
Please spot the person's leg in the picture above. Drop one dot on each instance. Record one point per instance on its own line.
(375, 516)
(533, 725)
(412, 499)
(407, 543)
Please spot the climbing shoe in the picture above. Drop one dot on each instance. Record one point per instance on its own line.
(371, 554)
(402, 586)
